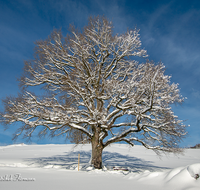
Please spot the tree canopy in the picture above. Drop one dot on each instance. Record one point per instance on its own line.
(97, 92)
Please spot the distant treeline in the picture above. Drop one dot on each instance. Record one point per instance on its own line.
(196, 146)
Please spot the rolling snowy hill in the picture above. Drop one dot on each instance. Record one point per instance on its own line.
(56, 167)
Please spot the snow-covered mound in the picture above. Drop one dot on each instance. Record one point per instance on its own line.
(177, 178)
(194, 170)
(56, 167)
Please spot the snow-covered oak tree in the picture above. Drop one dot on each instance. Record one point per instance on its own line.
(97, 92)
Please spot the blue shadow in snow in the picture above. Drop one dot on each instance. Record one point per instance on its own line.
(110, 160)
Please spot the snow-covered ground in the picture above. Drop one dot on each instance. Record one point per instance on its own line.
(54, 167)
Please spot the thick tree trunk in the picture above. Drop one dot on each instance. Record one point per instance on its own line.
(97, 150)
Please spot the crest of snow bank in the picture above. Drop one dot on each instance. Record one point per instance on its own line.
(13, 145)
(178, 178)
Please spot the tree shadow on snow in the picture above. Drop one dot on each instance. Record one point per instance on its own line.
(131, 163)
(110, 160)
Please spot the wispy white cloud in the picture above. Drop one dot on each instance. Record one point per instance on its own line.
(196, 94)
(173, 35)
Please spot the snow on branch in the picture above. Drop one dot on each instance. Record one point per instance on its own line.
(96, 86)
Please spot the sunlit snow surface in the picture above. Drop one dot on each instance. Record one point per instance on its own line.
(56, 167)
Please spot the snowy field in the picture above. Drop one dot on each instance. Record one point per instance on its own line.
(55, 167)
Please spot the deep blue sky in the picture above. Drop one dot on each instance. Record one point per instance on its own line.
(170, 32)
